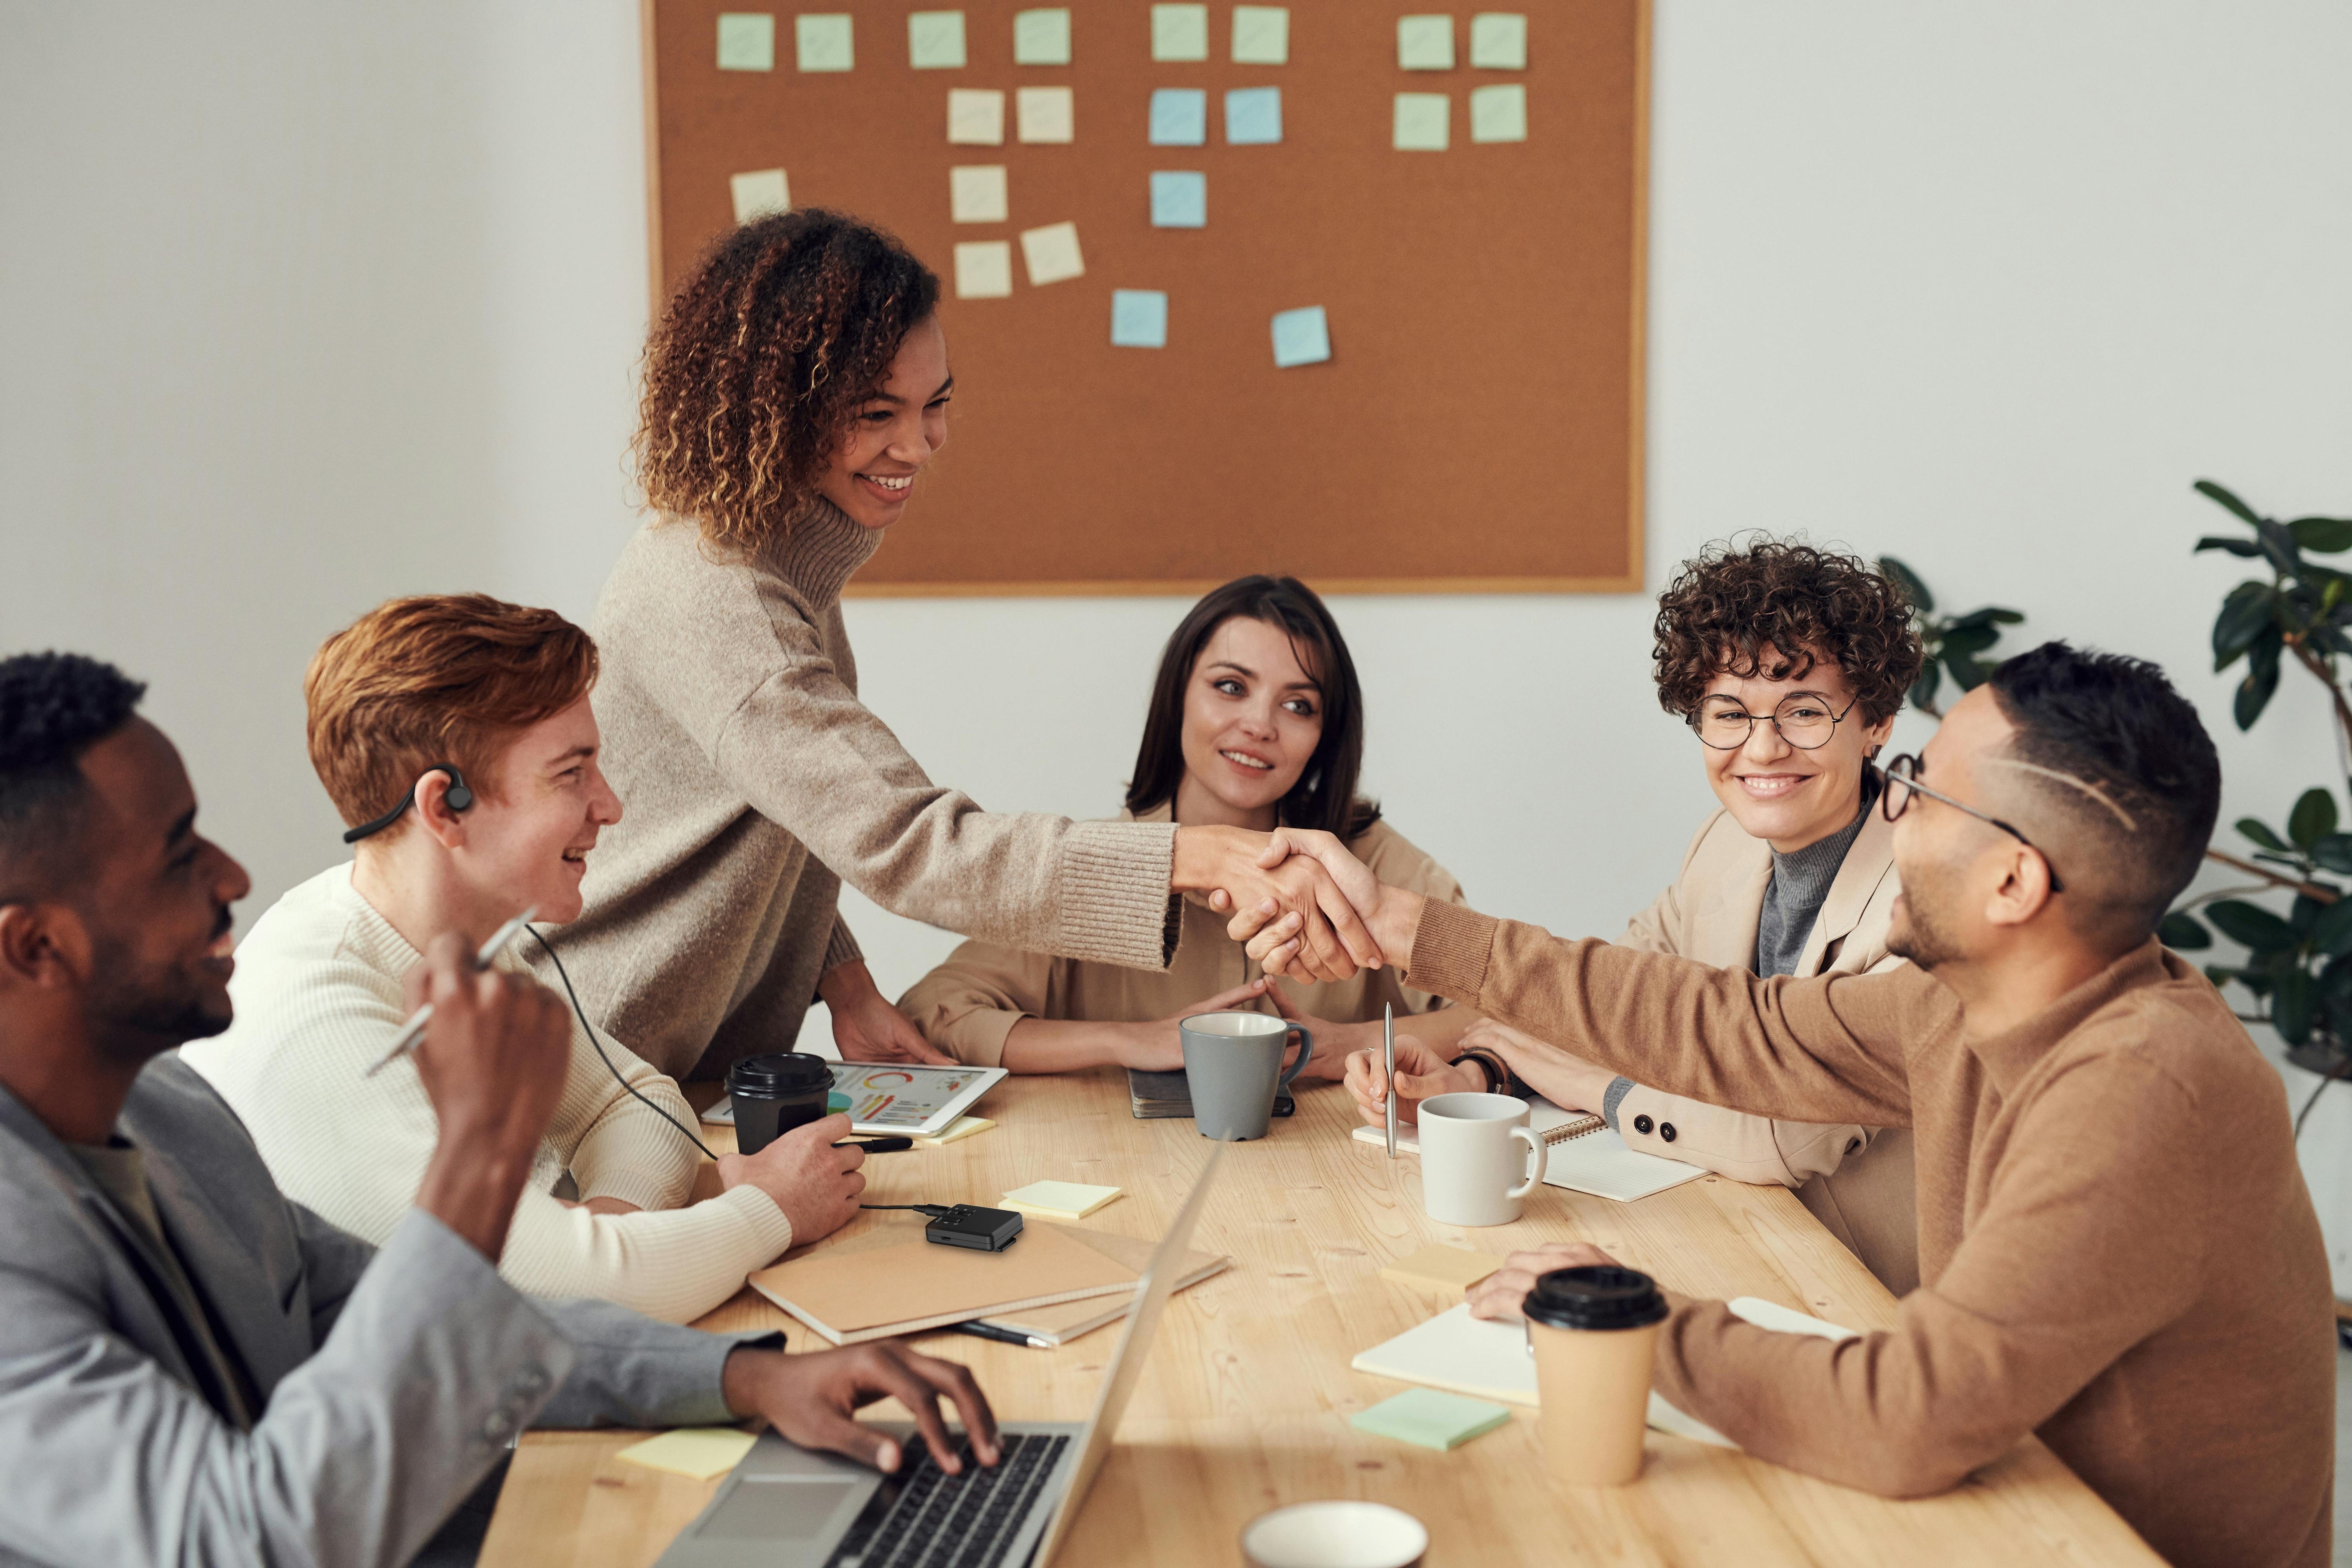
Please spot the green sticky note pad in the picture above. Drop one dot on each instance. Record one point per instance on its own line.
(835, 1100)
(1433, 1420)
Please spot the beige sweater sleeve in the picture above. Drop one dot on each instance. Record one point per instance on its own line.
(968, 1005)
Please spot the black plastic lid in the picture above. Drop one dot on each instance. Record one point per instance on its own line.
(1596, 1296)
(783, 1073)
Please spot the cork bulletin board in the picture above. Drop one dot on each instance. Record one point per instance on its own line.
(1468, 417)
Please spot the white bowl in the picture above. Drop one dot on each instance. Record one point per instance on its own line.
(1340, 1534)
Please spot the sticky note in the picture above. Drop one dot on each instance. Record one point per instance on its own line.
(1052, 253)
(747, 41)
(1499, 113)
(1139, 318)
(1498, 41)
(1425, 43)
(1441, 1267)
(758, 192)
(976, 193)
(1421, 121)
(1064, 1200)
(1180, 199)
(1179, 32)
(1041, 37)
(1180, 117)
(1045, 114)
(1261, 34)
(964, 1126)
(1431, 1419)
(822, 40)
(976, 117)
(699, 1452)
(934, 40)
(1301, 337)
(983, 270)
(1254, 116)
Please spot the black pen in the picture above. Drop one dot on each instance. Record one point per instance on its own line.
(878, 1145)
(981, 1331)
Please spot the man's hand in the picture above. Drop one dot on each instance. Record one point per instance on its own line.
(865, 1027)
(1421, 1074)
(1241, 871)
(1278, 937)
(1500, 1294)
(493, 1059)
(808, 1398)
(816, 1184)
(1561, 1077)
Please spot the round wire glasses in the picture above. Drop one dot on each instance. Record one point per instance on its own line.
(1804, 720)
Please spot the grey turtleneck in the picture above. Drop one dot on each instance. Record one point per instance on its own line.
(1800, 886)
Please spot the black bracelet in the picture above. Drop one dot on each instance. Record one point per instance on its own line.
(1500, 1079)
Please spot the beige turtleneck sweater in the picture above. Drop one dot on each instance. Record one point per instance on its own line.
(755, 782)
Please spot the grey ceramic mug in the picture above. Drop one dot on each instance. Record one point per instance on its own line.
(1232, 1066)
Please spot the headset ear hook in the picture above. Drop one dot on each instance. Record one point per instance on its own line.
(459, 796)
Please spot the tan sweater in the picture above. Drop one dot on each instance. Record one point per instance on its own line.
(317, 995)
(755, 782)
(969, 1004)
(2116, 1249)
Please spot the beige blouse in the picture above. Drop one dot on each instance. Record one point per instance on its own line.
(967, 1005)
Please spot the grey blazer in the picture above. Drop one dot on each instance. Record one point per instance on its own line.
(391, 1379)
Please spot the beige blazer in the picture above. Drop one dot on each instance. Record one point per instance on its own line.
(967, 1005)
(1856, 1179)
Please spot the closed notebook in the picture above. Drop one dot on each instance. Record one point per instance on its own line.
(1058, 1325)
(857, 1292)
(1582, 1152)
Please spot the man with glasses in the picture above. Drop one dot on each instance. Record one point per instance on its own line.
(2118, 1252)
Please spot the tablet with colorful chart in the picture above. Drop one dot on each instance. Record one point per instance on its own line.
(896, 1097)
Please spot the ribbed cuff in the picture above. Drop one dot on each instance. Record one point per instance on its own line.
(1111, 893)
(1449, 951)
(841, 948)
(1613, 1096)
(763, 1219)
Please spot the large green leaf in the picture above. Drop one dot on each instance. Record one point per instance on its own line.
(2184, 932)
(2292, 1005)
(2331, 933)
(2248, 610)
(1923, 690)
(2313, 818)
(2286, 556)
(2222, 497)
(1908, 581)
(2250, 925)
(2262, 680)
(1966, 673)
(2234, 546)
(2325, 535)
(2334, 852)
(1970, 640)
(2253, 827)
(1990, 616)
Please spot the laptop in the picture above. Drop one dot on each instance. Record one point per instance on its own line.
(789, 1508)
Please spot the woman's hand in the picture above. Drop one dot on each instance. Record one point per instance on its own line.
(1159, 1046)
(1243, 870)
(1565, 1078)
(865, 1027)
(1500, 1294)
(1421, 1073)
(1333, 1040)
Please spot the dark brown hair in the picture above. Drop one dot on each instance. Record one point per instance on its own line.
(1734, 602)
(1325, 795)
(761, 360)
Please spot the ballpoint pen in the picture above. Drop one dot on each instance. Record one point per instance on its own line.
(981, 1331)
(414, 1030)
(1387, 1055)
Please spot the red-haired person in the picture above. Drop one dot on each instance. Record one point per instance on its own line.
(455, 734)
(795, 389)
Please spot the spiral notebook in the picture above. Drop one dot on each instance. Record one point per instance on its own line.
(1582, 1152)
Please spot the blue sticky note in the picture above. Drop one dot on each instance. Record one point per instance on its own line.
(1180, 199)
(1139, 318)
(1254, 116)
(1180, 117)
(1301, 337)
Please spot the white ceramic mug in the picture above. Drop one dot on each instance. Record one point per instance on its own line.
(1336, 1534)
(1470, 1157)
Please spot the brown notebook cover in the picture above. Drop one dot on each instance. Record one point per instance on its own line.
(852, 1293)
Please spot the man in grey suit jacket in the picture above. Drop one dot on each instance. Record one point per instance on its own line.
(193, 1369)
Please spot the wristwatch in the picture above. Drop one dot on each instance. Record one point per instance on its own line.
(1500, 1079)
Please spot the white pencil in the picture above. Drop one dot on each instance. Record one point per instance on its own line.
(414, 1030)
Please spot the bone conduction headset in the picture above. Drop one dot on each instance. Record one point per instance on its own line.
(459, 797)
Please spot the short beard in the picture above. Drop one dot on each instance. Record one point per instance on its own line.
(136, 1013)
(1919, 935)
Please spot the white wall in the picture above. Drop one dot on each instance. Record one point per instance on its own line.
(306, 305)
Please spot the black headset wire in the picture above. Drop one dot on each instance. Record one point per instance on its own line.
(582, 1014)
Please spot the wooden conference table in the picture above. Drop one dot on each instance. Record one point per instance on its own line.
(1244, 1405)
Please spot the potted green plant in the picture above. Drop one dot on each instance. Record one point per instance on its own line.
(1955, 644)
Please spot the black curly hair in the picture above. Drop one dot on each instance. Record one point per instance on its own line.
(1735, 601)
(53, 708)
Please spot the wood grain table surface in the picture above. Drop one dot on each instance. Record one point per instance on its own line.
(1244, 1405)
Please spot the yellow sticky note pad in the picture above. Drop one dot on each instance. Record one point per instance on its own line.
(1044, 114)
(977, 193)
(1441, 1267)
(963, 1126)
(1059, 1200)
(696, 1452)
(983, 270)
(976, 117)
(1052, 253)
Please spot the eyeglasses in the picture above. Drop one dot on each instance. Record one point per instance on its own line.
(1902, 782)
(1803, 721)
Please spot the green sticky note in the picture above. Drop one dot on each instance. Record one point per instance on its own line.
(935, 40)
(823, 40)
(1433, 1420)
(1422, 121)
(1499, 113)
(1498, 41)
(1425, 43)
(1179, 32)
(1261, 34)
(747, 41)
(1042, 38)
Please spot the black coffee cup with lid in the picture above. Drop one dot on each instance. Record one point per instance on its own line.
(1595, 1296)
(774, 1094)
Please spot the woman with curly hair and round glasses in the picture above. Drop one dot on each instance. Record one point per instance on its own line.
(1789, 664)
(795, 388)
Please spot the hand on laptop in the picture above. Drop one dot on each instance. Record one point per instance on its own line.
(816, 1184)
(810, 1398)
(1500, 1294)
(1421, 1073)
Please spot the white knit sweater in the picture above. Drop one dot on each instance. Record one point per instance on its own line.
(318, 997)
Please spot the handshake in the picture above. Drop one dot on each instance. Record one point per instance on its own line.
(1307, 908)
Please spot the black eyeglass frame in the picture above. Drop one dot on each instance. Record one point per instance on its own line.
(1904, 771)
(1773, 718)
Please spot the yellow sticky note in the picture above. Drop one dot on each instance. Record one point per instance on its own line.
(758, 192)
(1045, 114)
(963, 1126)
(697, 1452)
(1052, 253)
(1061, 1200)
(1179, 32)
(1042, 38)
(977, 193)
(935, 40)
(983, 270)
(1261, 34)
(976, 117)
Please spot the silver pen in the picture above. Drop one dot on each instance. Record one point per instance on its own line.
(414, 1030)
(1388, 1053)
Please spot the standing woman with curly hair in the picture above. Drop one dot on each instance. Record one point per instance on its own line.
(795, 387)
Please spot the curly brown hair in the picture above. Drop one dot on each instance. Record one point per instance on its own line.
(1736, 603)
(761, 360)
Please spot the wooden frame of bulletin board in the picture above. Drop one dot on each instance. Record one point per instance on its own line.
(1477, 424)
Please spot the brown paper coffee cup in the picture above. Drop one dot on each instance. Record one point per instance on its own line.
(1593, 1332)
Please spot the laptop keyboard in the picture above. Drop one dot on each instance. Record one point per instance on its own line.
(924, 1518)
